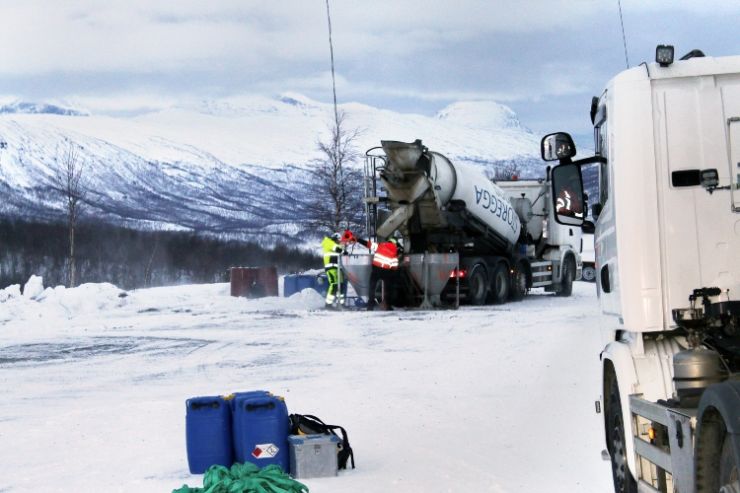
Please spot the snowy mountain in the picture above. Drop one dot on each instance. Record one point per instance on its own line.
(36, 108)
(237, 166)
(483, 115)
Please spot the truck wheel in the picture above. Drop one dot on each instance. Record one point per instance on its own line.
(616, 441)
(566, 281)
(729, 472)
(500, 284)
(717, 468)
(518, 282)
(589, 273)
(477, 285)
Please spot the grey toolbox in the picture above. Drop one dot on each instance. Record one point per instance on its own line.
(313, 456)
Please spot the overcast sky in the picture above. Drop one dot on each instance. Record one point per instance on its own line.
(545, 59)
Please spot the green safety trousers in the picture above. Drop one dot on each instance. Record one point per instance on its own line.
(332, 276)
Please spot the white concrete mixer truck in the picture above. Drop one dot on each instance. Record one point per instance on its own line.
(464, 237)
(667, 243)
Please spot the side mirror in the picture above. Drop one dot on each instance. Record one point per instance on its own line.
(557, 146)
(588, 227)
(567, 194)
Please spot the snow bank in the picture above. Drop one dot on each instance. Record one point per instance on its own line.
(308, 299)
(13, 291)
(85, 298)
(34, 287)
(218, 297)
(58, 302)
(104, 298)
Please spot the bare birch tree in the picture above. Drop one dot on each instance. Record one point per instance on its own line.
(69, 183)
(505, 172)
(337, 183)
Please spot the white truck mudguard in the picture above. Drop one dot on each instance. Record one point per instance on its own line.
(619, 355)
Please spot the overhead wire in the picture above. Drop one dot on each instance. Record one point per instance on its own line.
(624, 36)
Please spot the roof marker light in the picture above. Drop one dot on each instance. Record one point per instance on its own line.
(664, 55)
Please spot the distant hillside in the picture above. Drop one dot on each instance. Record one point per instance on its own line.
(236, 167)
(38, 109)
(131, 258)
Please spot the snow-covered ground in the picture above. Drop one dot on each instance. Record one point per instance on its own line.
(496, 399)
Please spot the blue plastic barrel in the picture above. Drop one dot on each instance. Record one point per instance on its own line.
(290, 285)
(306, 281)
(261, 427)
(295, 283)
(322, 284)
(208, 433)
(249, 393)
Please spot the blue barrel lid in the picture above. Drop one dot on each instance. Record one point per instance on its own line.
(206, 402)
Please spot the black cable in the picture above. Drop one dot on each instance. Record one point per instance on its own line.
(624, 37)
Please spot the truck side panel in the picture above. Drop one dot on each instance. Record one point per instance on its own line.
(662, 128)
(627, 230)
(700, 234)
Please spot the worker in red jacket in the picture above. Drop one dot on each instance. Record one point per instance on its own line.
(385, 269)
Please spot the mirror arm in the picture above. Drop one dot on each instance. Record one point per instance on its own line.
(712, 189)
(589, 160)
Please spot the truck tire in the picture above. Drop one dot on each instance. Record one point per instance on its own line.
(477, 285)
(500, 284)
(624, 482)
(589, 273)
(729, 471)
(717, 468)
(519, 281)
(568, 275)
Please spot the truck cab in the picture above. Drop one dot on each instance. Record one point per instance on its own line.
(667, 268)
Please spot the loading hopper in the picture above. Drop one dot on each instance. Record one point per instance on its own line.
(403, 156)
(431, 272)
(358, 267)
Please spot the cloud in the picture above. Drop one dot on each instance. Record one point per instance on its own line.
(672, 7)
(50, 37)
(320, 81)
(551, 80)
(8, 98)
(417, 55)
(89, 36)
(121, 102)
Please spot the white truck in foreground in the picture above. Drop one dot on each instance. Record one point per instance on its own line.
(667, 243)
